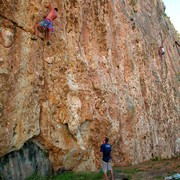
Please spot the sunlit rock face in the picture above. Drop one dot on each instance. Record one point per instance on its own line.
(101, 76)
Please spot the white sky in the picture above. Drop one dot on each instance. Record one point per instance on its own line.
(173, 11)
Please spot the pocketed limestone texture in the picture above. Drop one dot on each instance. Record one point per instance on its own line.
(102, 76)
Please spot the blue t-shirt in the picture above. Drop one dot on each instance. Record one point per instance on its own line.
(106, 150)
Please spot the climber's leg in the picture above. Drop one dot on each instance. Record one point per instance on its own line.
(43, 23)
(48, 37)
(36, 29)
(34, 37)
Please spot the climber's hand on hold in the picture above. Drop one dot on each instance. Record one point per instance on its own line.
(46, 5)
(50, 5)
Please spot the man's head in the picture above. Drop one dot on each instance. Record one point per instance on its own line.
(56, 9)
(106, 140)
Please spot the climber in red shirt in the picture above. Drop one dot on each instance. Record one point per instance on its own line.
(47, 23)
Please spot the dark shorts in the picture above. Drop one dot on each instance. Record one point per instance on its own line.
(47, 24)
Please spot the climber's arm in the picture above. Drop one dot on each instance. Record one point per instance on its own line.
(50, 6)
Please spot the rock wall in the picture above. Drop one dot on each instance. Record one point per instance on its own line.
(102, 76)
(29, 160)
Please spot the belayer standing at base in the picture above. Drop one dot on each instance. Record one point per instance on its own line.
(106, 149)
(47, 23)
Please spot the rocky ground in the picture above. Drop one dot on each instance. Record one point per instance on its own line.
(151, 170)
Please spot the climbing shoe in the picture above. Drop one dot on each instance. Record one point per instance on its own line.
(34, 37)
(48, 43)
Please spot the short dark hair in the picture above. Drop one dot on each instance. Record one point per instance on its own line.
(106, 139)
(56, 9)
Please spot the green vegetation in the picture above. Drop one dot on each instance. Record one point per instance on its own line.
(166, 15)
(133, 2)
(70, 175)
(158, 177)
(155, 169)
(36, 177)
(178, 76)
(131, 171)
(79, 176)
(156, 158)
(45, 153)
(1, 177)
(127, 172)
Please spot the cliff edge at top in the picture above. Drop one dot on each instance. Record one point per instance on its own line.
(102, 76)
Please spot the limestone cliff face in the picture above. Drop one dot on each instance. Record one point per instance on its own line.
(30, 159)
(102, 76)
